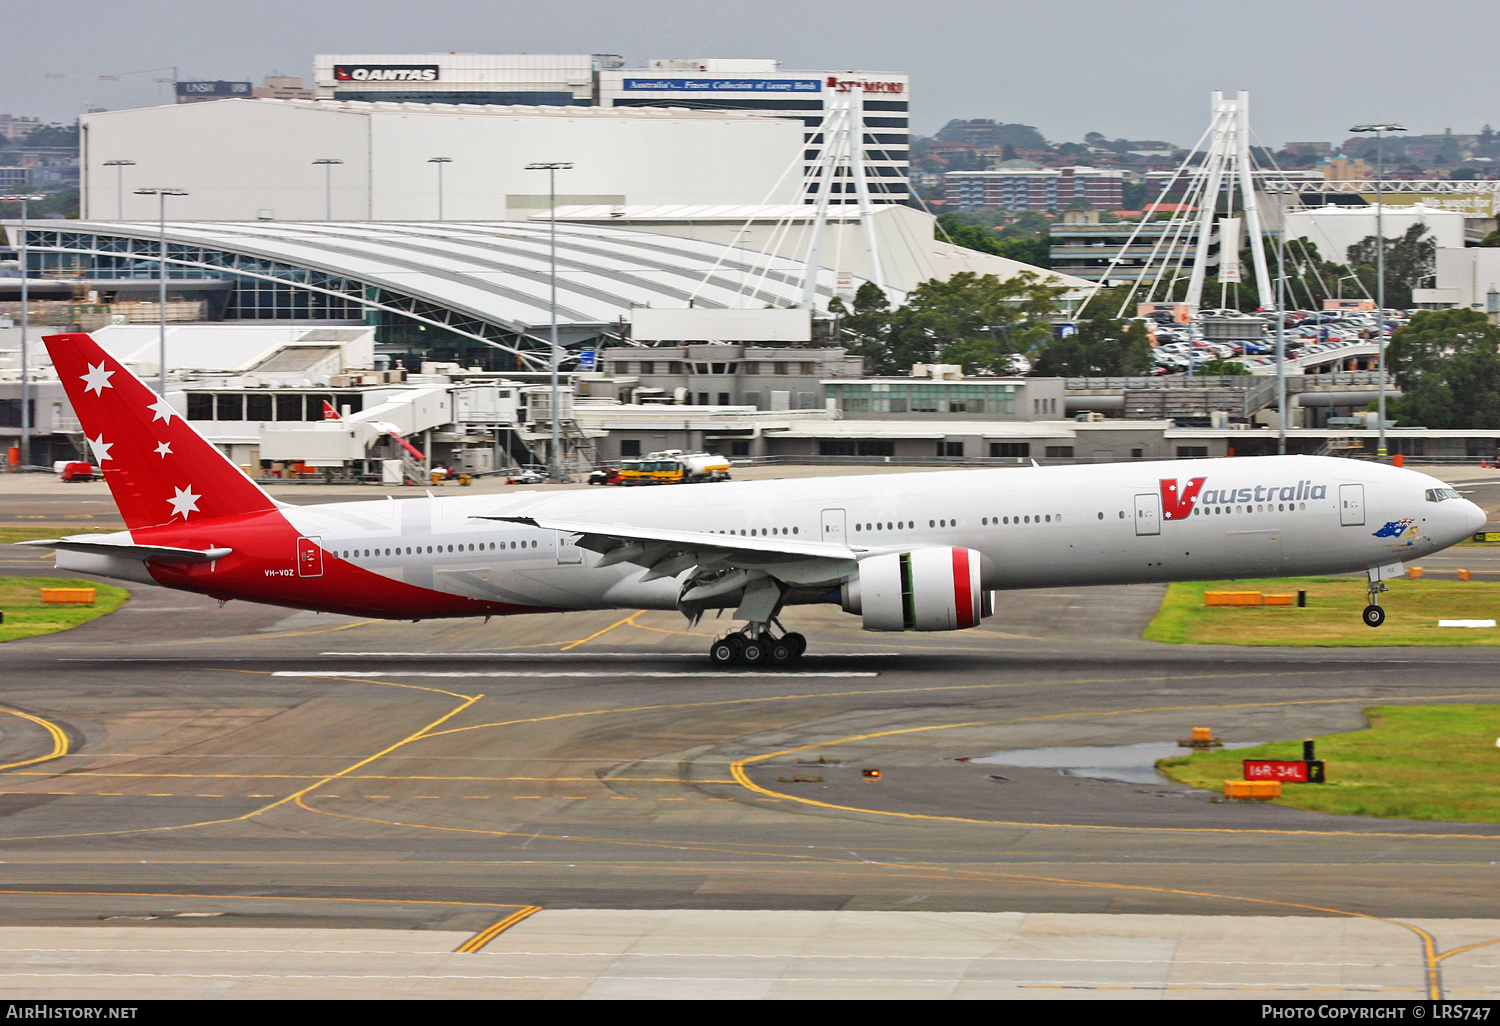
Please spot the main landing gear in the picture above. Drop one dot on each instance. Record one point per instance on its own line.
(1373, 615)
(753, 646)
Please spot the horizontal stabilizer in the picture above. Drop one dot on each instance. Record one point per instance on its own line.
(130, 551)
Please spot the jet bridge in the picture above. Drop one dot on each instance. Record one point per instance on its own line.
(454, 414)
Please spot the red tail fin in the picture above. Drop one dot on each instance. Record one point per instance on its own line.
(158, 468)
(329, 413)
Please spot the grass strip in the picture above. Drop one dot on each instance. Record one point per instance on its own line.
(27, 616)
(1332, 616)
(1434, 762)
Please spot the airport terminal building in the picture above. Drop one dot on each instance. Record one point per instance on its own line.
(301, 160)
(694, 83)
(474, 293)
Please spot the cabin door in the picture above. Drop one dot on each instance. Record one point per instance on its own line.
(1352, 505)
(1148, 513)
(309, 558)
(833, 526)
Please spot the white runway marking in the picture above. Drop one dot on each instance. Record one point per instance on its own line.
(571, 673)
(541, 656)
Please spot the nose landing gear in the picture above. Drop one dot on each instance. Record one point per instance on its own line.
(1373, 615)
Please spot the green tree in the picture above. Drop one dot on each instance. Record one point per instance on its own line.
(976, 320)
(1447, 363)
(865, 327)
(1225, 368)
(1026, 225)
(1023, 239)
(1102, 346)
(52, 135)
(58, 204)
(1409, 260)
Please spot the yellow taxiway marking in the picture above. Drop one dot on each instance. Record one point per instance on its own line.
(358, 776)
(618, 623)
(1431, 956)
(737, 770)
(295, 796)
(59, 739)
(488, 934)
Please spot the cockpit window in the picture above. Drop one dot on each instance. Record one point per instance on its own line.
(1439, 494)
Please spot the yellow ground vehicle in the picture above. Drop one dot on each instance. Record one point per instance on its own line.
(673, 466)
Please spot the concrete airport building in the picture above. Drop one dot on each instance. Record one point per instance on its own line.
(249, 160)
(475, 293)
(696, 83)
(881, 103)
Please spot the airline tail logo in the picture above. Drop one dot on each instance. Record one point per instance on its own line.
(1175, 504)
(158, 468)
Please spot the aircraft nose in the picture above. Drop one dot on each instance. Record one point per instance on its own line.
(1475, 517)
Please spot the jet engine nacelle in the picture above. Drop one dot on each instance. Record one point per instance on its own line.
(925, 590)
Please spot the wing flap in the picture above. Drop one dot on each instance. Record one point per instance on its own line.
(655, 536)
(666, 553)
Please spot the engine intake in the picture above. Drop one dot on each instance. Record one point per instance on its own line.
(934, 589)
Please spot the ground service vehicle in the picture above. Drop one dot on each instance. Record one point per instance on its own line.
(673, 466)
(78, 471)
(904, 552)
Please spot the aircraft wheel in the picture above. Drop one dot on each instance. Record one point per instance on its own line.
(798, 643)
(755, 650)
(725, 651)
(780, 652)
(1373, 616)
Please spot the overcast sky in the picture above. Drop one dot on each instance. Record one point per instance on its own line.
(1133, 69)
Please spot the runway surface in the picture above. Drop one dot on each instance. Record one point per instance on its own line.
(280, 780)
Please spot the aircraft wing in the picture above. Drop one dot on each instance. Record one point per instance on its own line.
(83, 543)
(666, 553)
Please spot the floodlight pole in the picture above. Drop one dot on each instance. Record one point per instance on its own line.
(23, 199)
(1281, 340)
(1380, 130)
(161, 285)
(119, 166)
(554, 464)
(327, 164)
(440, 161)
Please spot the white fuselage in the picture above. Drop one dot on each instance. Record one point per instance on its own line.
(1035, 527)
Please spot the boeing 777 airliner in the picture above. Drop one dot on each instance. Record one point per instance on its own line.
(921, 552)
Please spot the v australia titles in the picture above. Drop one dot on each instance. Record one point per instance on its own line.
(1176, 505)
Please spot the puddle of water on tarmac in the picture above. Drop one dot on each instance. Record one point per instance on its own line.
(1126, 764)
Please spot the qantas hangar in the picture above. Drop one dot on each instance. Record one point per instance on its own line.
(475, 293)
